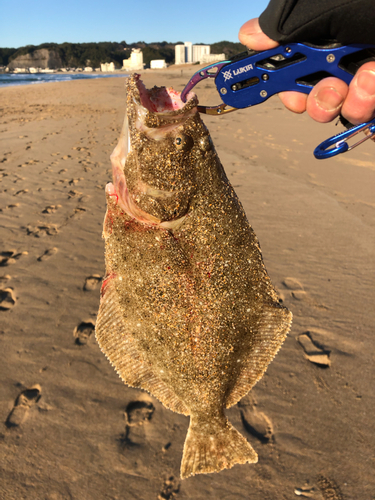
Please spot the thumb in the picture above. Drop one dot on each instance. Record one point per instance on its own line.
(252, 36)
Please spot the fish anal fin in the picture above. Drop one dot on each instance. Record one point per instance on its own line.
(121, 350)
(212, 446)
(274, 326)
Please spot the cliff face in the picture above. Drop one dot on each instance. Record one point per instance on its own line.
(41, 58)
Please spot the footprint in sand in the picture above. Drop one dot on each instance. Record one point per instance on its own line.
(22, 191)
(324, 489)
(296, 288)
(170, 488)
(10, 256)
(293, 284)
(7, 299)
(73, 182)
(28, 163)
(51, 209)
(257, 423)
(9, 207)
(309, 492)
(77, 211)
(47, 254)
(5, 278)
(42, 230)
(313, 351)
(73, 194)
(298, 293)
(18, 178)
(138, 412)
(92, 282)
(329, 489)
(83, 332)
(25, 400)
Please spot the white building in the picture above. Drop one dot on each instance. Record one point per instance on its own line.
(135, 61)
(211, 58)
(105, 67)
(184, 53)
(179, 54)
(158, 64)
(189, 53)
(199, 51)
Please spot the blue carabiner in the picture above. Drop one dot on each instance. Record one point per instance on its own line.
(339, 141)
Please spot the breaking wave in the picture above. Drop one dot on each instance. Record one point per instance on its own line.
(11, 79)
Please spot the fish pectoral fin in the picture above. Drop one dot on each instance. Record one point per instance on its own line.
(120, 348)
(214, 445)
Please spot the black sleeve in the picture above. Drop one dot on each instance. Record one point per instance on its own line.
(344, 21)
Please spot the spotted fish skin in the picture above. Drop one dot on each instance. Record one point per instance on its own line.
(187, 311)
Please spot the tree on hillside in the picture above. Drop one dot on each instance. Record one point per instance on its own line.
(5, 55)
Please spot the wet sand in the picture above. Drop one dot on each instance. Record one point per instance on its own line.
(69, 428)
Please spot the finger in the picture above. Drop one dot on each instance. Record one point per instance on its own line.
(359, 106)
(294, 101)
(326, 99)
(253, 37)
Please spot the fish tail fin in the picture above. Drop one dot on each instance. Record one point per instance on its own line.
(212, 445)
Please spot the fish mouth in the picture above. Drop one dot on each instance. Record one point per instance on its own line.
(163, 100)
(160, 109)
(155, 112)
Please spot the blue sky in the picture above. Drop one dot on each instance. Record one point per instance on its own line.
(31, 22)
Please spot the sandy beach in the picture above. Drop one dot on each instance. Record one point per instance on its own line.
(69, 428)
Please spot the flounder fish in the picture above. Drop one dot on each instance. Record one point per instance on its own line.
(187, 311)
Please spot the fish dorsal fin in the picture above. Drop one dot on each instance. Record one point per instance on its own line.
(120, 348)
(274, 326)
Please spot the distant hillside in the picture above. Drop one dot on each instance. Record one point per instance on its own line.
(228, 48)
(73, 55)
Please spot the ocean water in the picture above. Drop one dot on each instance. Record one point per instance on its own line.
(11, 79)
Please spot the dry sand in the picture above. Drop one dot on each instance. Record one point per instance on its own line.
(70, 428)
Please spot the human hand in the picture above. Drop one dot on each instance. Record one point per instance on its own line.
(331, 96)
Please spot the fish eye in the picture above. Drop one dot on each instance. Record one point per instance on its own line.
(205, 143)
(183, 142)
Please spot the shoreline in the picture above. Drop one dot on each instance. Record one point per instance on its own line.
(180, 70)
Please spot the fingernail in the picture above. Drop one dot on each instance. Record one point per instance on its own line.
(366, 82)
(328, 99)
